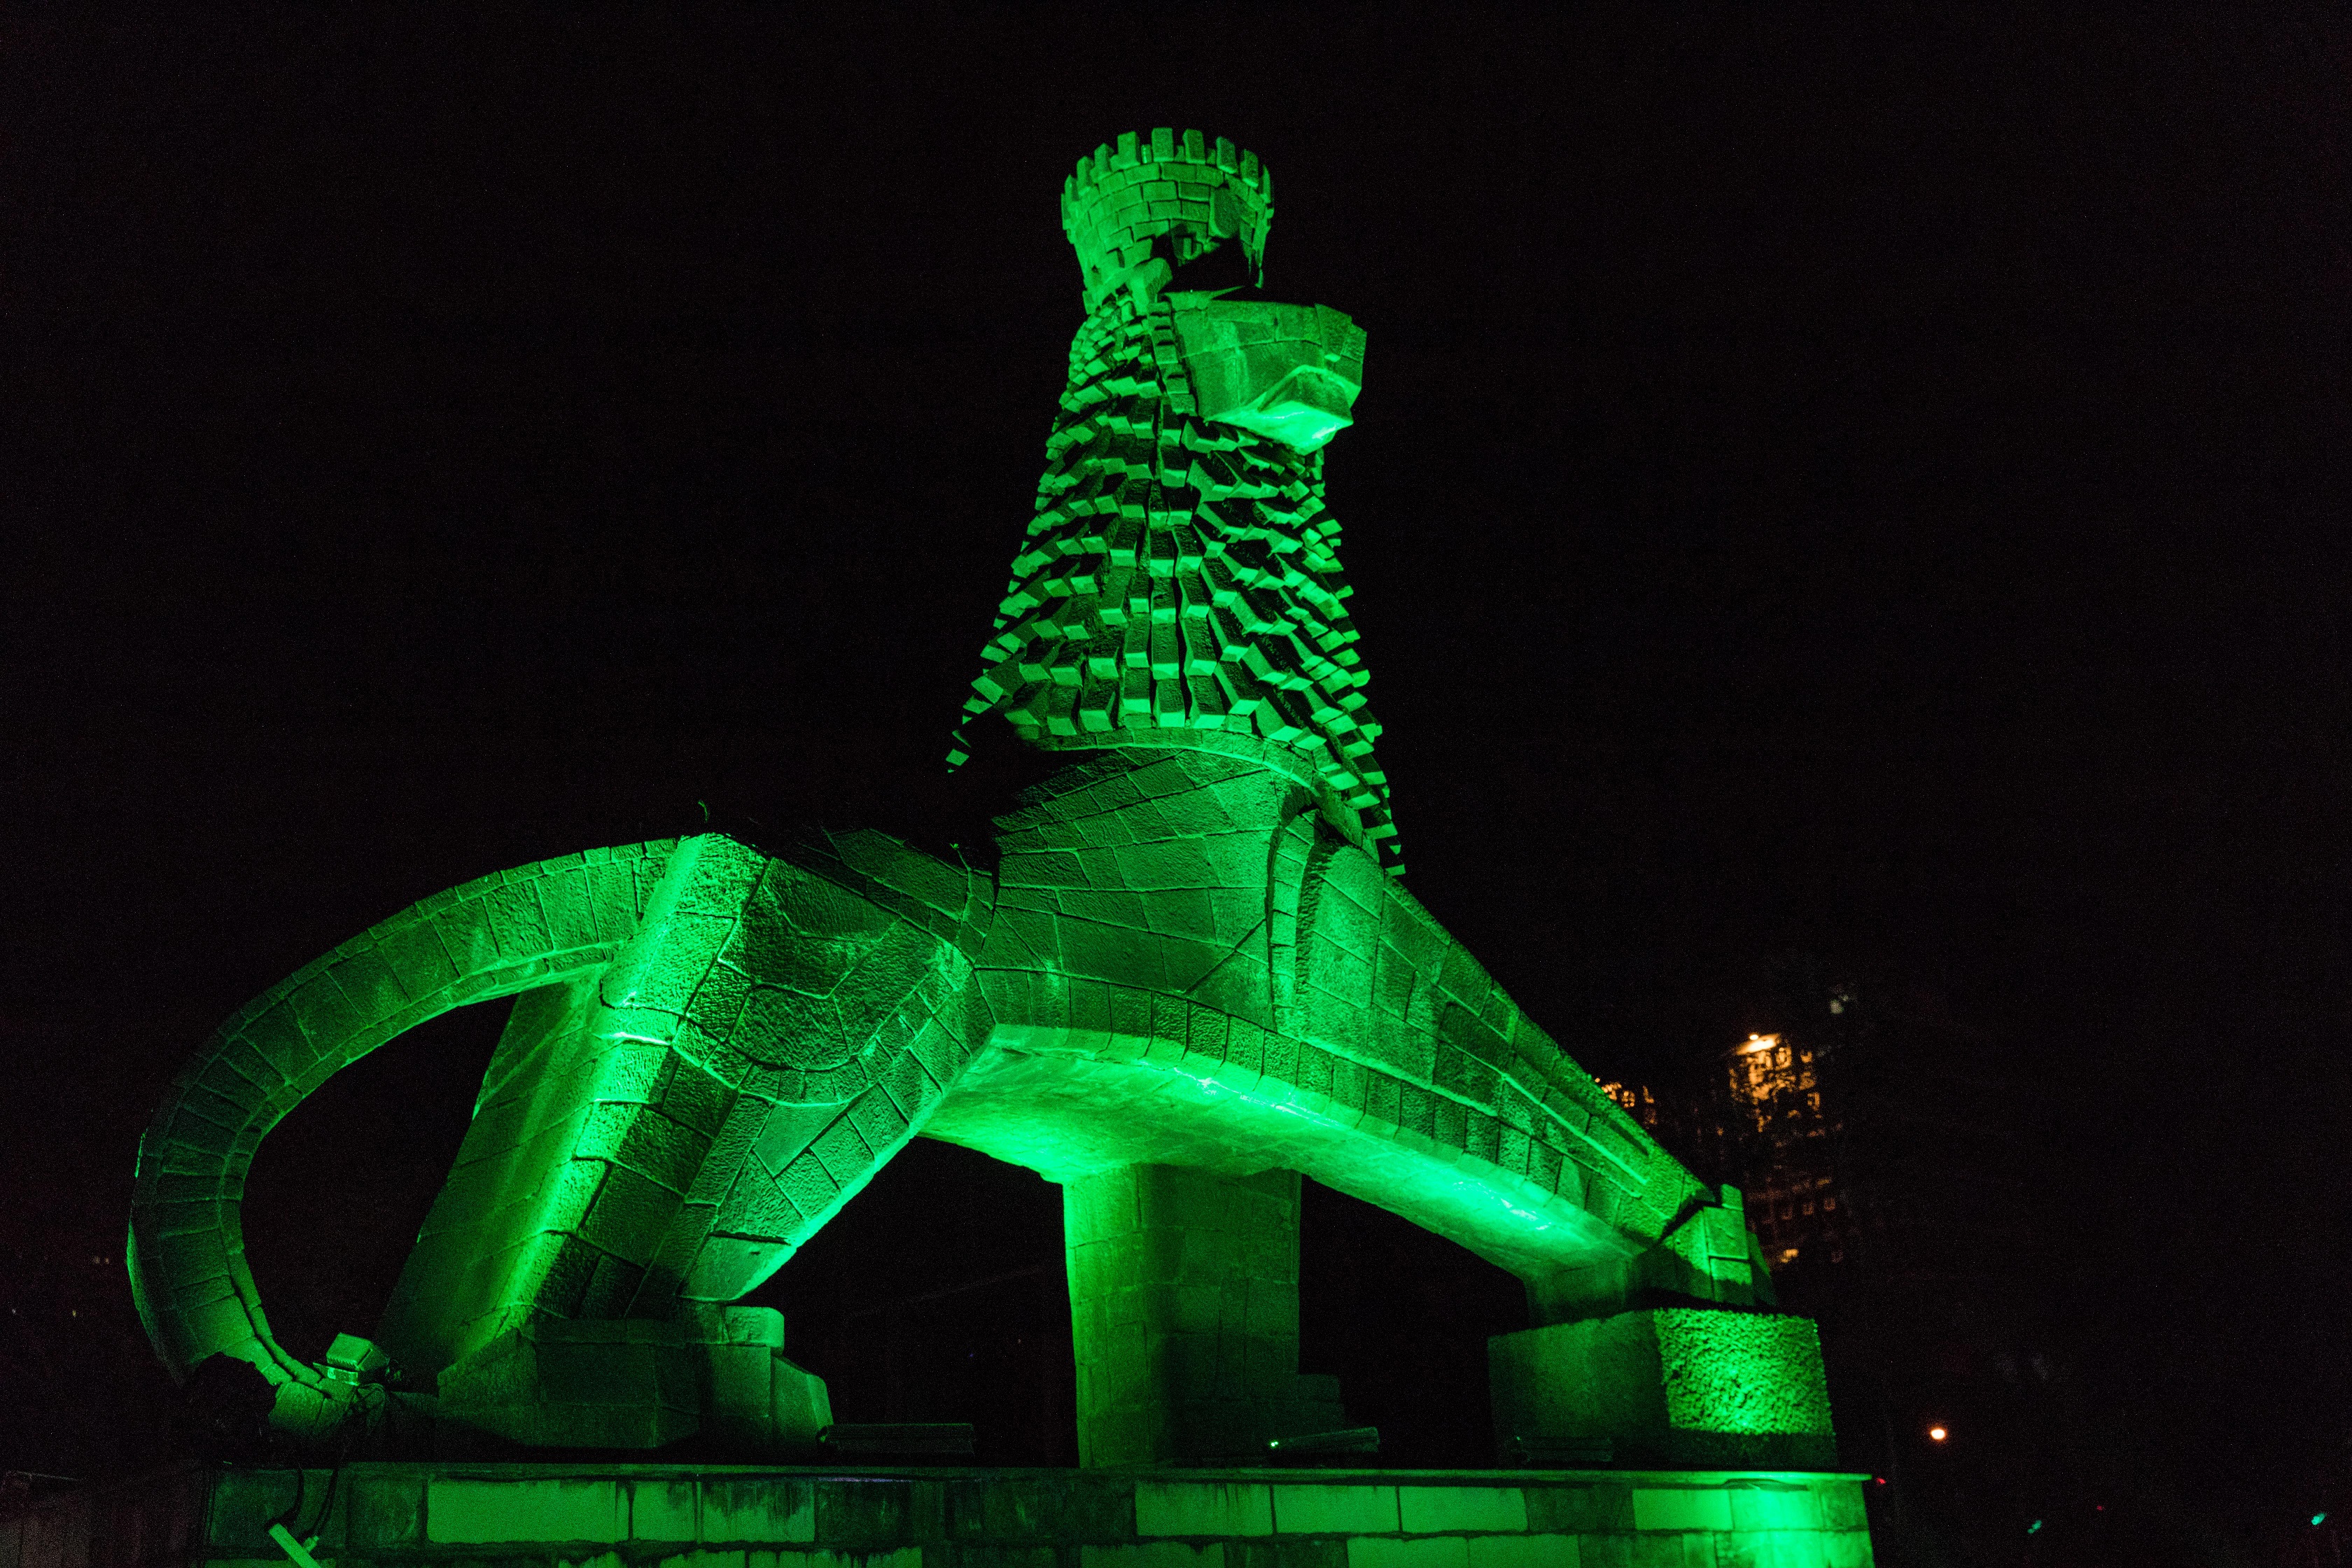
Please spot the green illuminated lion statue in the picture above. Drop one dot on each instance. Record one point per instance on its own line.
(1188, 973)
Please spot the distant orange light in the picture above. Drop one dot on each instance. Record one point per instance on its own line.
(1937, 1433)
(1760, 1042)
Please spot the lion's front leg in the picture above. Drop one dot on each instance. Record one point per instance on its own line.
(653, 1145)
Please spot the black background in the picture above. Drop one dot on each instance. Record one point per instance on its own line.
(1861, 479)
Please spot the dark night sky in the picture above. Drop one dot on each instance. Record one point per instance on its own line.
(1861, 480)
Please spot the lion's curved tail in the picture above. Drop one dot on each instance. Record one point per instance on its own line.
(515, 930)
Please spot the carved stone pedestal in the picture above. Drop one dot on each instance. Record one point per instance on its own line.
(1668, 1385)
(637, 1383)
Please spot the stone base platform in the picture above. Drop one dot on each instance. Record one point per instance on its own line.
(601, 1515)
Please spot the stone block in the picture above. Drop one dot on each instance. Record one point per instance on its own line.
(1757, 1507)
(967, 1512)
(1580, 1510)
(725, 1557)
(1686, 1550)
(1155, 1555)
(244, 1502)
(1841, 1505)
(1203, 1508)
(1012, 1513)
(1288, 1552)
(876, 1513)
(1681, 1508)
(758, 1509)
(1709, 1387)
(1427, 1510)
(609, 1384)
(1096, 1508)
(383, 1510)
(1391, 1552)
(1334, 1510)
(997, 1556)
(1847, 1551)
(462, 1512)
(739, 1401)
(904, 1557)
(1065, 1508)
(799, 1405)
(1524, 1551)
(662, 1510)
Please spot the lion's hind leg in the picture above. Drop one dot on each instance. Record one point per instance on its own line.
(776, 1032)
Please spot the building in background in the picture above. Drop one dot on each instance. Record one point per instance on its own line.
(1754, 1116)
(1895, 1172)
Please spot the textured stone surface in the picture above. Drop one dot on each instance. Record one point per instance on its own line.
(1674, 1385)
(1435, 1510)
(1203, 1508)
(1336, 1509)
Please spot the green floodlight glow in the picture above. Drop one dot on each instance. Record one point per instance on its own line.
(2319, 1519)
(1190, 975)
(2034, 1527)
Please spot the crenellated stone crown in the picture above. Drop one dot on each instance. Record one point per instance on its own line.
(1196, 193)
